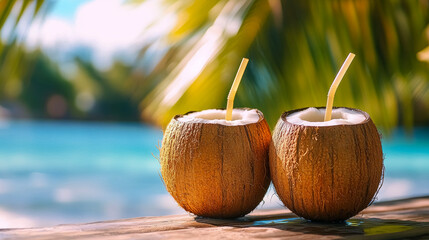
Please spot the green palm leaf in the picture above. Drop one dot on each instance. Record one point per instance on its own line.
(295, 49)
(13, 65)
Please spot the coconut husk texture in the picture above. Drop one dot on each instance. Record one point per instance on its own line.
(216, 171)
(326, 173)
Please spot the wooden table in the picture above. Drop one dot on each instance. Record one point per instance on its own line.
(402, 219)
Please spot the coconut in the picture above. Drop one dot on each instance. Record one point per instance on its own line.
(326, 171)
(217, 168)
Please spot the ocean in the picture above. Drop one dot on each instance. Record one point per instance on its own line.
(57, 172)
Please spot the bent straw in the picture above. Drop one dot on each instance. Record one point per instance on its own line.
(233, 91)
(335, 84)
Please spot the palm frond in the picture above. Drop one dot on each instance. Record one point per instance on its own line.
(295, 52)
(13, 65)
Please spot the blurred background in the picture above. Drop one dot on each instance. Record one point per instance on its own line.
(86, 87)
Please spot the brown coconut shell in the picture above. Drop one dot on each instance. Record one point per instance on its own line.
(213, 170)
(326, 173)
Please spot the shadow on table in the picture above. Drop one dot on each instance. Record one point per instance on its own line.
(368, 228)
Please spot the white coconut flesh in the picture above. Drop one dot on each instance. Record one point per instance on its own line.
(315, 117)
(217, 116)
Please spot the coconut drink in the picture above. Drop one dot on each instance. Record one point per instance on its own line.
(326, 165)
(215, 162)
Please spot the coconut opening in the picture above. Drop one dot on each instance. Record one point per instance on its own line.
(217, 116)
(315, 117)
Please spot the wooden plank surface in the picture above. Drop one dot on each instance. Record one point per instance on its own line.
(402, 219)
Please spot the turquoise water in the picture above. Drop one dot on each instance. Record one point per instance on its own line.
(68, 172)
(58, 172)
(406, 164)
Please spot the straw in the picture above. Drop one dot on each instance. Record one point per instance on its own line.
(233, 91)
(335, 84)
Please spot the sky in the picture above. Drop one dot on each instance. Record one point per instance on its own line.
(103, 29)
(66, 9)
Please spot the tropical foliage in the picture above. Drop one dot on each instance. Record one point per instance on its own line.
(295, 50)
(33, 85)
(13, 58)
